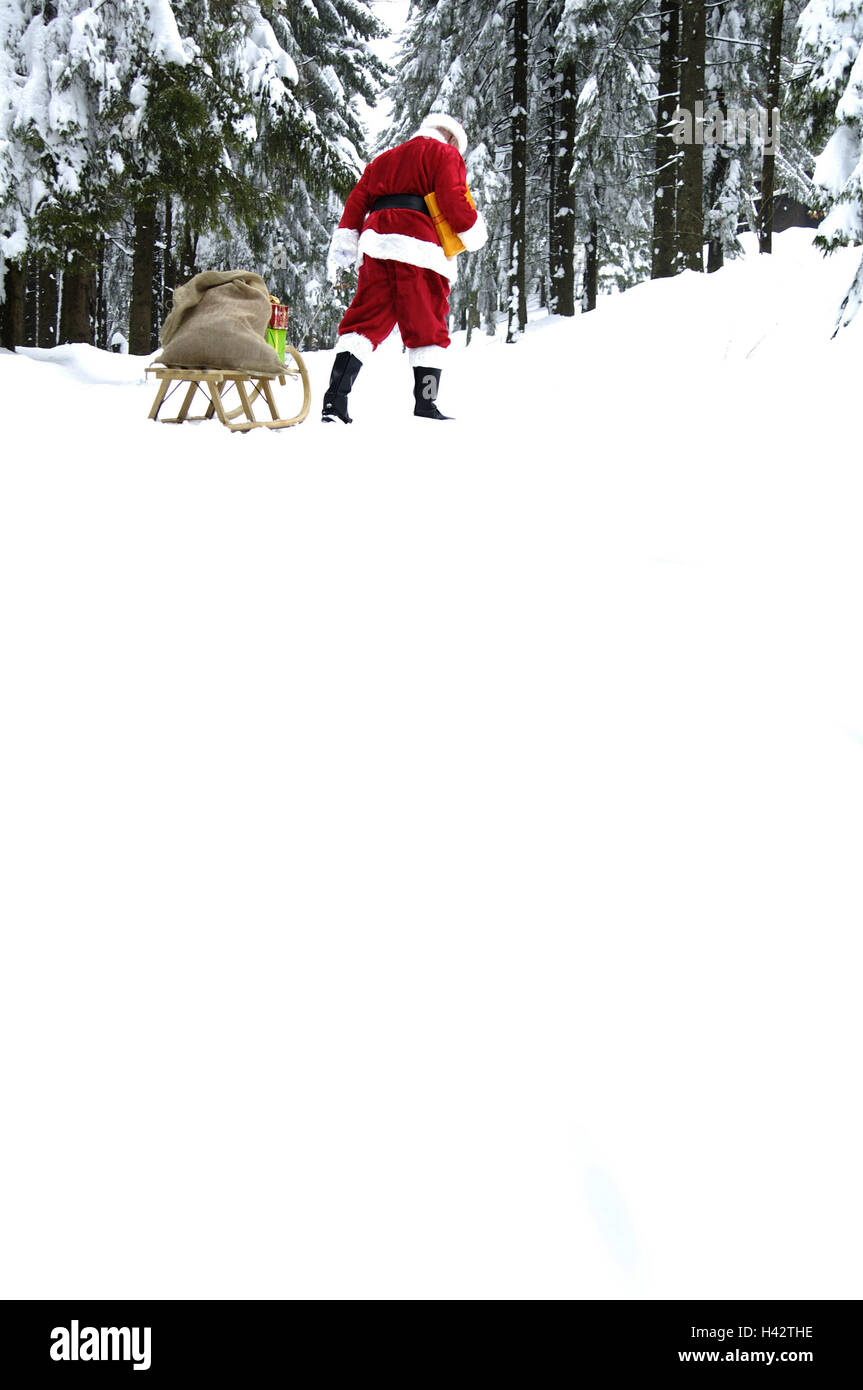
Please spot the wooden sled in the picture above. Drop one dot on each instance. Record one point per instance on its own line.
(217, 383)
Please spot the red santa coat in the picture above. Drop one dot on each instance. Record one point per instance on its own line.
(425, 164)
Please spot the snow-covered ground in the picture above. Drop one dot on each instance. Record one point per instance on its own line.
(431, 854)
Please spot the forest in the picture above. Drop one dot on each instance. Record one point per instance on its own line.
(609, 143)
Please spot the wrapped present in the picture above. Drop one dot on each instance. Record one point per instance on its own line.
(278, 326)
(449, 240)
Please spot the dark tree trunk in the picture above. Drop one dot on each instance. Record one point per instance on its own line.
(78, 310)
(158, 286)
(12, 308)
(31, 302)
(565, 211)
(188, 253)
(774, 96)
(48, 303)
(667, 154)
(169, 266)
(157, 291)
(472, 315)
(101, 299)
(591, 270)
(715, 185)
(518, 178)
(551, 159)
(141, 308)
(690, 192)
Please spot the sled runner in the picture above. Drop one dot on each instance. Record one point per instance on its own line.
(218, 385)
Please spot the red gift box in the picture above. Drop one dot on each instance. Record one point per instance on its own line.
(279, 316)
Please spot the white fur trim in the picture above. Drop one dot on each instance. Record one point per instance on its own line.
(476, 236)
(357, 343)
(431, 356)
(429, 132)
(396, 246)
(439, 120)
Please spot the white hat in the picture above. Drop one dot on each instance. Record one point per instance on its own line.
(440, 121)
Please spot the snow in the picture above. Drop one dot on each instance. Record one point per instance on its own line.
(432, 852)
(138, 92)
(331, 78)
(850, 106)
(67, 180)
(831, 31)
(589, 92)
(837, 162)
(166, 43)
(14, 244)
(265, 62)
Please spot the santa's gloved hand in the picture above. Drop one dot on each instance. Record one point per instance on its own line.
(343, 253)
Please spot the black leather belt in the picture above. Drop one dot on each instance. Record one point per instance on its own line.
(410, 202)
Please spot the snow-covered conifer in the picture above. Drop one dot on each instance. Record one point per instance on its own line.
(830, 63)
(613, 155)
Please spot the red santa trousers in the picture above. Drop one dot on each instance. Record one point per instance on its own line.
(393, 292)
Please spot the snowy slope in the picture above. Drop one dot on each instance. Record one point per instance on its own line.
(432, 853)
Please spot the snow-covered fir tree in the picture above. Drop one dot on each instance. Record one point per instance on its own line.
(272, 87)
(329, 43)
(830, 66)
(727, 171)
(129, 132)
(613, 156)
(59, 173)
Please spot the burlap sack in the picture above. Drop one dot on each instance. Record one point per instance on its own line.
(219, 319)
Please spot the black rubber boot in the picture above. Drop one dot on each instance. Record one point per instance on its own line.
(426, 383)
(346, 369)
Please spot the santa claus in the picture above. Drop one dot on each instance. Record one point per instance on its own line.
(404, 272)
